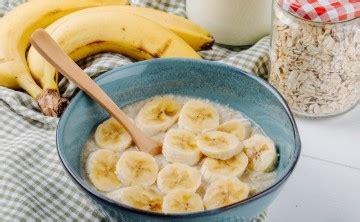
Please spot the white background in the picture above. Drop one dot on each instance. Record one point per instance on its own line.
(325, 186)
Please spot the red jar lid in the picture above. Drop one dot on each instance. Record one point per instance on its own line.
(329, 11)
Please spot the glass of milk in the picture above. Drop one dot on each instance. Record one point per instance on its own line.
(232, 22)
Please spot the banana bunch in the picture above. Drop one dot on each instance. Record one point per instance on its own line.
(118, 31)
(140, 33)
(16, 28)
(204, 159)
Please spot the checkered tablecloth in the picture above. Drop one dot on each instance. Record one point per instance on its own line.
(33, 184)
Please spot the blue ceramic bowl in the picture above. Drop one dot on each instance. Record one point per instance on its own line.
(224, 84)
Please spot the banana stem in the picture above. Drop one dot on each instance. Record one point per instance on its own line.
(49, 84)
(48, 81)
(27, 83)
(51, 103)
(48, 99)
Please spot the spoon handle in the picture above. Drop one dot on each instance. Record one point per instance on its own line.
(51, 51)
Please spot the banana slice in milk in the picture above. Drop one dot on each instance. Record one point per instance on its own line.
(214, 169)
(178, 176)
(158, 115)
(219, 145)
(137, 168)
(261, 152)
(197, 116)
(139, 197)
(112, 135)
(100, 168)
(224, 192)
(180, 147)
(241, 128)
(182, 201)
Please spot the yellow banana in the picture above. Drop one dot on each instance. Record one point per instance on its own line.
(16, 28)
(196, 36)
(108, 28)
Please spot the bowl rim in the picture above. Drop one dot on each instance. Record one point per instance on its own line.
(268, 190)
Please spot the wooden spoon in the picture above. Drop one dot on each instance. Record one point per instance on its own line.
(51, 51)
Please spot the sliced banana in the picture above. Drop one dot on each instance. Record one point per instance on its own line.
(136, 168)
(158, 115)
(139, 197)
(197, 116)
(258, 181)
(214, 169)
(161, 161)
(239, 127)
(261, 152)
(182, 201)
(178, 176)
(219, 145)
(112, 135)
(180, 147)
(100, 168)
(224, 192)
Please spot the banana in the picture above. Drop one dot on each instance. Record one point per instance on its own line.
(239, 127)
(180, 147)
(224, 192)
(197, 116)
(112, 135)
(161, 161)
(219, 145)
(158, 115)
(214, 169)
(16, 28)
(261, 152)
(139, 197)
(182, 201)
(258, 181)
(178, 176)
(194, 35)
(197, 37)
(100, 168)
(89, 32)
(136, 168)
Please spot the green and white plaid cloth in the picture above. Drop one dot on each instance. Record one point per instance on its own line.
(33, 184)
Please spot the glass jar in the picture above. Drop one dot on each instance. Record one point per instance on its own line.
(315, 64)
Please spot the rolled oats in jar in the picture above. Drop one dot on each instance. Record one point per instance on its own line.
(315, 55)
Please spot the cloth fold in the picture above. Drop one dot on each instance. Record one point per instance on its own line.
(33, 184)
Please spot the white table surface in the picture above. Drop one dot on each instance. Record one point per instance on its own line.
(325, 186)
